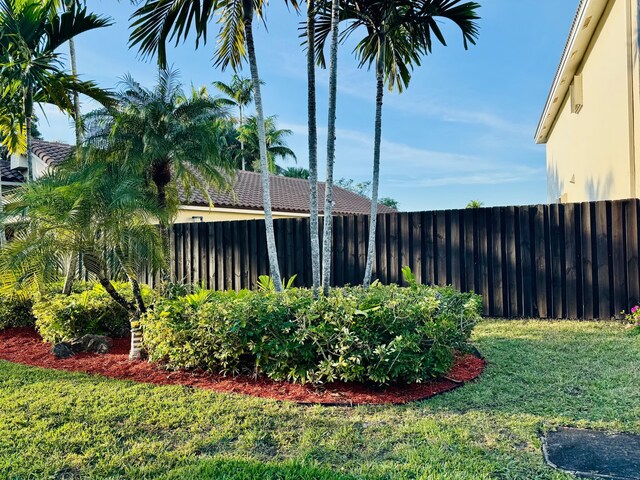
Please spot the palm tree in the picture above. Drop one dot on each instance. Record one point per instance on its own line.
(327, 240)
(397, 33)
(276, 144)
(168, 137)
(160, 20)
(312, 173)
(296, 172)
(94, 208)
(31, 32)
(240, 93)
(475, 204)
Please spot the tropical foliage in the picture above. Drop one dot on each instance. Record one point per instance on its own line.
(98, 209)
(31, 71)
(165, 138)
(382, 334)
(395, 35)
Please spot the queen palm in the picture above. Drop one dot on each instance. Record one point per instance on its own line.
(31, 32)
(158, 21)
(240, 93)
(170, 138)
(396, 34)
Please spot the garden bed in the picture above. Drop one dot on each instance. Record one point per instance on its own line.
(25, 346)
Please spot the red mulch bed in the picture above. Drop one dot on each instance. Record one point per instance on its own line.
(24, 346)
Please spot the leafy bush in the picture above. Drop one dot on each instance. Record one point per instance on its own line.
(63, 317)
(16, 310)
(382, 334)
(633, 319)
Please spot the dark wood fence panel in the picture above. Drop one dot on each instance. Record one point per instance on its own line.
(547, 261)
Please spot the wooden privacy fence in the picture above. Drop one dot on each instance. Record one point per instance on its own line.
(542, 261)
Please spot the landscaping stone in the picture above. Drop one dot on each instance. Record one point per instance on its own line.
(594, 454)
(62, 350)
(92, 344)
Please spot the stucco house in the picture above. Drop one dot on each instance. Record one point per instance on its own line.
(591, 120)
(289, 196)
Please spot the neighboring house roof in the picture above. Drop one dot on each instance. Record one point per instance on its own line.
(51, 153)
(8, 175)
(584, 26)
(287, 194)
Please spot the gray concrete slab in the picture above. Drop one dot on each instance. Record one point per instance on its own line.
(593, 454)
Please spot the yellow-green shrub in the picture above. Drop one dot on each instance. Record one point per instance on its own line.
(63, 317)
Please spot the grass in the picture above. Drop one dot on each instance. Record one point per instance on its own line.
(540, 375)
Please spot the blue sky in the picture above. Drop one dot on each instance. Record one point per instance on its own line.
(463, 130)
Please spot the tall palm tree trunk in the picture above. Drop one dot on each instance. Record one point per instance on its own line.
(161, 178)
(371, 250)
(262, 140)
(313, 148)
(28, 113)
(331, 148)
(244, 166)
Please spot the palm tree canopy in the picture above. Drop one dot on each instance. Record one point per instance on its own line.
(97, 209)
(158, 22)
(398, 32)
(277, 147)
(30, 33)
(31, 70)
(239, 91)
(164, 133)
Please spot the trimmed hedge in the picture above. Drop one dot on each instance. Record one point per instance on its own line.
(16, 311)
(91, 311)
(382, 334)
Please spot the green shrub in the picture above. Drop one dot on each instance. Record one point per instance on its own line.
(382, 334)
(93, 311)
(16, 310)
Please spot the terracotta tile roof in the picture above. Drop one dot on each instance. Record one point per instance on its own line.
(287, 195)
(52, 153)
(9, 175)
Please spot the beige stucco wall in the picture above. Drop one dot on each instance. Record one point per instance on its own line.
(597, 144)
(186, 214)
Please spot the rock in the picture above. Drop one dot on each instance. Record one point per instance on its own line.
(62, 350)
(92, 344)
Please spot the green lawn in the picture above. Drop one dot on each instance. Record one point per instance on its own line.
(540, 375)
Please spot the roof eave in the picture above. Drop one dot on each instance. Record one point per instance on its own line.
(584, 26)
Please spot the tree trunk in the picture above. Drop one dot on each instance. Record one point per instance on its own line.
(28, 113)
(113, 293)
(72, 267)
(244, 167)
(313, 148)
(77, 116)
(135, 350)
(161, 178)
(331, 148)
(262, 140)
(371, 250)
